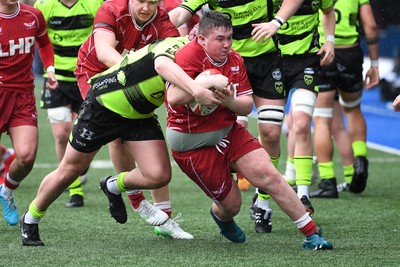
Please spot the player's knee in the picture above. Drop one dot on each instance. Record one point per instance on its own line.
(305, 102)
(59, 114)
(271, 114)
(26, 159)
(349, 104)
(323, 112)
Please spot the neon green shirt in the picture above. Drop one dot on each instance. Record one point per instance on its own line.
(347, 22)
(243, 14)
(132, 88)
(299, 35)
(68, 28)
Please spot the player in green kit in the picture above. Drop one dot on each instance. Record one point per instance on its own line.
(120, 104)
(345, 76)
(69, 23)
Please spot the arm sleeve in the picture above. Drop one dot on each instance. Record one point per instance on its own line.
(43, 41)
(46, 50)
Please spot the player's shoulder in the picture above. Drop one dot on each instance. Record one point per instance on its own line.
(117, 7)
(24, 8)
(233, 54)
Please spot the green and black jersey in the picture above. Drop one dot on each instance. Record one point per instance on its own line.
(68, 28)
(132, 88)
(347, 29)
(299, 35)
(243, 14)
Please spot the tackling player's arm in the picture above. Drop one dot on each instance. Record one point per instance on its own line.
(183, 88)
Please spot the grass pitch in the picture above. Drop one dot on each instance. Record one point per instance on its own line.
(364, 229)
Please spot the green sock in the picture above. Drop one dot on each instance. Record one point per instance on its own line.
(120, 182)
(326, 170)
(303, 167)
(275, 161)
(35, 212)
(348, 171)
(76, 188)
(359, 148)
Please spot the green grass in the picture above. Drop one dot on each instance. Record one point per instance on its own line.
(364, 229)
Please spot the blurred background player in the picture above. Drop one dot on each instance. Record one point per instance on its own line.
(345, 75)
(22, 27)
(302, 57)
(7, 155)
(69, 23)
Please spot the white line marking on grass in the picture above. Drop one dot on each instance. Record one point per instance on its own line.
(96, 164)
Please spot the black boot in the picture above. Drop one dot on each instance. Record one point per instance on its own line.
(326, 189)
(359, 181)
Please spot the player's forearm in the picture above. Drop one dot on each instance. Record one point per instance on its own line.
(328, 22)
(370, 30)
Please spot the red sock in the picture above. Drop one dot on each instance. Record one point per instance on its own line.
(309, 229)
(10, 185)
(135, 199)
(168, 211)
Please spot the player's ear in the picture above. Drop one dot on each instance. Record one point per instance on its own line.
(201, 39)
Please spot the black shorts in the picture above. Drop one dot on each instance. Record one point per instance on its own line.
(266, 76)
(67, 93)
(97, 126)
(345, 72)
(302, 71)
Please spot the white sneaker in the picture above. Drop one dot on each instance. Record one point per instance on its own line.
(153, 215)
(171, 228)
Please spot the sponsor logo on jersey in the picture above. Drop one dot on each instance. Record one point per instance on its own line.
(86, 134)
(235, 69)
(104, 83)
(277, 74)
(146, 38)
(121, 77)
(308, 71)
(279, 87)
(308, 79)
(315, 5)
(20, 46)
(30, 25)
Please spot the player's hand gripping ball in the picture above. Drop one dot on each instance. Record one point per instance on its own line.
(196, 107)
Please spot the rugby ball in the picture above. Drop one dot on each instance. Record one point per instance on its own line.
(196, 107)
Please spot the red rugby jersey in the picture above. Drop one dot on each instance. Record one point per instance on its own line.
(115, 17)
(193, 59)
(18, 33)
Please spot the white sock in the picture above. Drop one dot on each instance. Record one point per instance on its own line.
(6, 192)
(112, 186)
(163, 205)
(134, 192)
(263, 204)
(290, 172)
(29, 219)
(302, 190)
